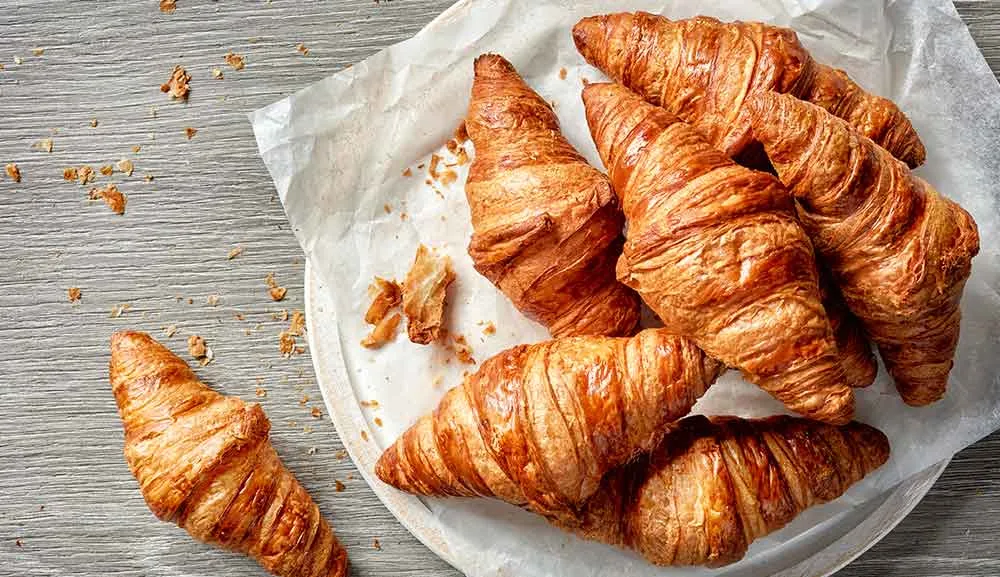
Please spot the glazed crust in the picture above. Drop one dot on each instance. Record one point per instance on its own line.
(705, 71)
(546, 226)
(860, 367)
(539, 425)
(715, 250)
(713, 486)
(899, 251)
(204, 462)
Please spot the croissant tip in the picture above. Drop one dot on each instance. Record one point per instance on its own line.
(386, 465)
(587, 29)
(129, 339)
(491, 64)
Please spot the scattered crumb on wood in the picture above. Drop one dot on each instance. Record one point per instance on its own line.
(111, 196)
(38, 51)
(217, 74)
(107, 170)
(19, 542)
(286, 344)
(424, 294)
(261, 392)
(44, 144)
(212, 300)
(297, 326)
(387, 295)
(562, 74)
(281, 315)
(70, 174)
(170, 331)
(168, 6)
(338, 486)
(74, 294)
(376, 545)
(18, 60)
(234, 252)
(303, 50)
(340, 455)
(197, 347)
(137, 149)
(125, 165)
(235, 60)
(190, 132)
(119, 310)
(13, 171)
(93, 123)
(303, 400)
(177, 85)
(384, 332)
(277, 293)
(316, 412)
(85, 175)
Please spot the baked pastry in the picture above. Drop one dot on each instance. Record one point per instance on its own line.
(899, 251)
(204, 462)
(547, 229)
(704, 71)
(715, 250)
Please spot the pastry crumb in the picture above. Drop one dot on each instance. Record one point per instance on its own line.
(217, 74)
(408, 171)
(372, 404)
(562, 74)
(93, 123)
(364, 435)
(448, 176)
(168, 6)
(137, 149)
(190, 132)
(235, 60)
(286, 344)
(261, 392)
(277, 293)
(44, 144)
(18, 60)
(107, 170)
(489, 329)
(340, 455)
(377, 421)
(316, 412)
(387, 208)
(197, 347)
(452, 146)
(13, 171)
(119, 310)
(74, 294)
(212, 300)
(85, 175)
(461, 132)
(281, 315)
(376, 545)
(384, 332)
(303, 50)
(338, 486)
(312, 450)
(234, 252)
(125, 165)
(424, 295)
(111, 196)
(463, 351)
(303, 400)
(177, 86)
(387, 296)
(170, 331)
(437, 381)
(38, 51)
(70, 174)
(297, 326)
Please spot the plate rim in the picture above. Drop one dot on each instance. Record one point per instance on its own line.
(411, 512)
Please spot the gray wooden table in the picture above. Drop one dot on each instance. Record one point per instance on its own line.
(68, 505)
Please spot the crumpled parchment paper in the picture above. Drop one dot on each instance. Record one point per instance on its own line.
(337, 152)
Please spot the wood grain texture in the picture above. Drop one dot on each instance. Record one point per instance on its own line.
(65, 492)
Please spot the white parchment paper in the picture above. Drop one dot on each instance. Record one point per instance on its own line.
(338, 149)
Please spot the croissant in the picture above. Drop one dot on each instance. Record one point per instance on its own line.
(546, 226)
(855, 351)
(899, 251)
(539, 425)
(204, 462)
(713, 486)
(715, 250)
(704, 70)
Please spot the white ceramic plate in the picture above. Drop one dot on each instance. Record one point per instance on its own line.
(818, 552)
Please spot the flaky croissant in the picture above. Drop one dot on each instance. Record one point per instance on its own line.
(853, 347)
(547, 230)
(539, 425)
(899, 251)
(204, 462)
(715, 250)
(704, 70)
(714, 486)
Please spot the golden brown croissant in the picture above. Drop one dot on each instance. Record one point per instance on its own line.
(547, 229)
(714, 486)
(539, 425)
(899, 251)
(715, 250)
(204, 462)
(855, 351)
(704, 70)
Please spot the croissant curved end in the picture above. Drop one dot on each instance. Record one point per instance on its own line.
(587, 31)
